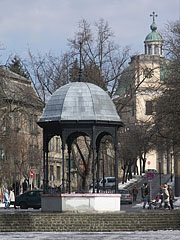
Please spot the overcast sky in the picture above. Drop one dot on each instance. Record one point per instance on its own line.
(45, 25)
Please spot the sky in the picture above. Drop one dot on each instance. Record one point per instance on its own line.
(45, 25)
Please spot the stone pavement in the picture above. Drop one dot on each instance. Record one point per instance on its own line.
(150, 235)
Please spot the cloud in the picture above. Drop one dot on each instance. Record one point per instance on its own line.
(46, 24)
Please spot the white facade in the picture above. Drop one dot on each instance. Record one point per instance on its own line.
(143, 80)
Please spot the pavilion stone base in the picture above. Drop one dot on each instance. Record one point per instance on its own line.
(80, 202)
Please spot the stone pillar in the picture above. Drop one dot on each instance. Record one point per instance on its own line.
(97, 157)
(63, 168)
(44, 160)
(152, 49)
(93, 155)
(69, 168)
(46, 164)
(116, 159)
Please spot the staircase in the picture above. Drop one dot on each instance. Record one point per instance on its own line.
(155, 184)
(83, 222)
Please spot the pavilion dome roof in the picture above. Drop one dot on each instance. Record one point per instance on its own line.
(80, 101)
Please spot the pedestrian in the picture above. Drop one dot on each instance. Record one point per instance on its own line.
(6, 199)
(165, 203)
(12, 196)
(161, 196)
(145, 193)
(135, 193)
(24, 186)
(171, 196)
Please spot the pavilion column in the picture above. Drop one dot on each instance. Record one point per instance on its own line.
(63, 167)
(93, 155)
(47, 177)
(116, 159)
(97, 157)
(44, 161)
(69, 168)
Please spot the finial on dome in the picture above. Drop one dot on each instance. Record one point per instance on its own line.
(153, 15)
(153, 25)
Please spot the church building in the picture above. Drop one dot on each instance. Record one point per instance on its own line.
(142, 82)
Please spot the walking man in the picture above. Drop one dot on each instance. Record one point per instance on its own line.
(171, 196)
(145, 193)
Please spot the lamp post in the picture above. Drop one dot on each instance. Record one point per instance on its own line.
(171, 167)
(160, 174)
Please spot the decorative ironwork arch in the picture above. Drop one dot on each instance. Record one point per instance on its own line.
(69, 131)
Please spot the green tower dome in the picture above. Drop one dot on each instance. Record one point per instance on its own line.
(153, 36)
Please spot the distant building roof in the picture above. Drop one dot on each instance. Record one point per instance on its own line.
(80, 101)
(16, 88)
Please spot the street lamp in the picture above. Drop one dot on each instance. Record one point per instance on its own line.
(171, 166)
(160, 173)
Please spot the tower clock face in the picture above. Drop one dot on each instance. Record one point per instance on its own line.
(148, 73)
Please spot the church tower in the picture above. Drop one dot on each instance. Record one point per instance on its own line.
(141, 82)
(153, 41)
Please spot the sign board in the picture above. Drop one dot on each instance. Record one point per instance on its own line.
(32, 174)
(150, 176)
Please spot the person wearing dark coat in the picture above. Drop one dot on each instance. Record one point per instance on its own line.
(24, 186)
(171, 197)
(145, 193)
(135, 193)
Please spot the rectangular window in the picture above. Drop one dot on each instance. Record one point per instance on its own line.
(57, 145)
(35, 123)
(149, 109)
(51, 145)
(10, 120)
(2, 153)
(52, 173)
(58, 174)
(15, 120)
(33, 128)
(133, 109)
(30, 123)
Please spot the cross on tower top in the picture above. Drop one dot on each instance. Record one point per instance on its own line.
(153, 15)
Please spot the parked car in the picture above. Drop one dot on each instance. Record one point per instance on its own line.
(126, 196)
(107, 182)
(96, 180)
(30, 199)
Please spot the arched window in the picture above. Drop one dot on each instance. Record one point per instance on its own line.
(149, 49)
(156, 49)
(149, 108)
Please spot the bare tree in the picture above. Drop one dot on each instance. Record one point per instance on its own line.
(102, 64)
